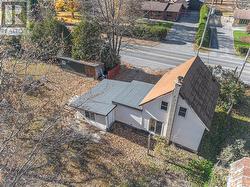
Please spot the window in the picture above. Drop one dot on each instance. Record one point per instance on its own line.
(164, 105)
(155, 126)
(90, 115)
(182, 112)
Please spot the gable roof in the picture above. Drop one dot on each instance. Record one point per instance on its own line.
(133, 94)
(99, 98)
(154, 6)
(242, 14)
(199, 88)
(174, 7)
(104, 97)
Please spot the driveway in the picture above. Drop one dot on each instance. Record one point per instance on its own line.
(182, 34)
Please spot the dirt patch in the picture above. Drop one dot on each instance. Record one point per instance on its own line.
(129, 73)
(135, 41)
(245, 39)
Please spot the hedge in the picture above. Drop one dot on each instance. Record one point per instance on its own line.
(151, 31)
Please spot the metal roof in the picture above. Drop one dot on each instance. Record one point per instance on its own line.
(154, 6)
(99, 99)
(174, 7)
(134, 94)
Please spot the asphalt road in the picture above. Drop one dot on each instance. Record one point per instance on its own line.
(178, 48)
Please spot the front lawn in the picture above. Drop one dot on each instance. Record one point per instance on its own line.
(241, 42)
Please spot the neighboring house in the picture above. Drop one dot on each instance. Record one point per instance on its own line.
(164, 10)
(239, 175)
(180, 106)
(241, 17)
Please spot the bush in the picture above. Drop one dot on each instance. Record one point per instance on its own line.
(47, 39)
(86, 39)
(231, 89)
(199, 171)
(218, 177)
(233, 152)
(152, 31)
(109, 57)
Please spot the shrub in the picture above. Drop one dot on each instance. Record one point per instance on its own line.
(199, 171)
(109, 57)
(231, 90)
(47, 39)
(86, 39)
(233, 152)
(218, 177)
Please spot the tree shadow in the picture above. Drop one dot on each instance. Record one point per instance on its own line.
(137, 136)
(224, 132)
(129, 73)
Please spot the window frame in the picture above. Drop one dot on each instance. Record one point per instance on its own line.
(181, 112)
(155, 123)
(164, 104)
(90, 115)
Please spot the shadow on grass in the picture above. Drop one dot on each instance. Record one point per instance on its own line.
(225, 132)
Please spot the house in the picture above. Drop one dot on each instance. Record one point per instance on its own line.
(164, 10)
(239, 174)
(180, 106)
(241, 16)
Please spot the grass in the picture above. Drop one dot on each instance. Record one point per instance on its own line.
(239, 45)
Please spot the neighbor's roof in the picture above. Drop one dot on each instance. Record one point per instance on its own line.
(242, 14)
(199, 88)
(154, 6)
(134, 94)
(99, 99)
(174, 7)
(239, 174)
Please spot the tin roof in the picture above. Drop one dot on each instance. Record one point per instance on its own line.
(103, 98)
(134, 94)
(99, 99)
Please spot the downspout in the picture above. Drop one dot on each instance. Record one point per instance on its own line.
(173, 107)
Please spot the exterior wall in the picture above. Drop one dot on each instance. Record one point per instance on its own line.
(153, 110)
(187, 131)
(155, 15)
(110, 118)
(100, 121)
(129, 116)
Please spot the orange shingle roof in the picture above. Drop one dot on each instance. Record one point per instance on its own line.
(167, 83)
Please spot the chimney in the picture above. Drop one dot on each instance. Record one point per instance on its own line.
(172, 108)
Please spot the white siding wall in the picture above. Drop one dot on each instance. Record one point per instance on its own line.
(129, 116)
(153, 110)
(187, 131)
(100, 121)
(110, 118)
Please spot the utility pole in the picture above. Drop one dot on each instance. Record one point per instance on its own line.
(205, 29)
(244, 64)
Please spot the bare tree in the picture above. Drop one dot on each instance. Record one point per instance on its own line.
(115, 16)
